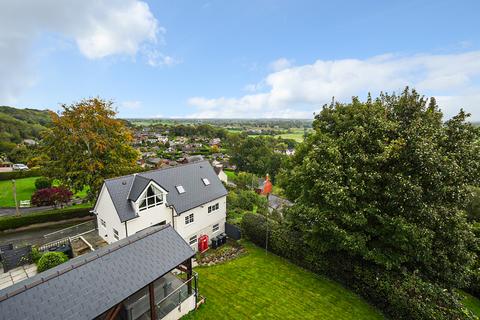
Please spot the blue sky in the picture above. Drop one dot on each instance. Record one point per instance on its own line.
(244, 59)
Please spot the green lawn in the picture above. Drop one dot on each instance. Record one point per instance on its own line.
(260, 286)
(472, 303)
(230, 174)
(25, 189)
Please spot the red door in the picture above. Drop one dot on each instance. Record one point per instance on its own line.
(203, 243)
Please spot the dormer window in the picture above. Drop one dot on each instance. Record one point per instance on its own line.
(151, 198)
(205, 181)
(180, 189)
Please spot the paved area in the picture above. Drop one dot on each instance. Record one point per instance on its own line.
(16, 275)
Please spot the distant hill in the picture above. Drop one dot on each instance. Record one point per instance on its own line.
(18, 124)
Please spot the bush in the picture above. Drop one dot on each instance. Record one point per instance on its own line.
(20, 174)
(51, 196)
(43, 183)
(35, 255)
(14, 222)
(50, 260)
(400, 296)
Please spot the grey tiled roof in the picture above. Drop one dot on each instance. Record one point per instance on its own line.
(189, 176)
(89, 285)
(138, 186)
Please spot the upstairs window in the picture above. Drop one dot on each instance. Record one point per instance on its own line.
(205, 181)
(104, 224)
(213, 207)
(180, 189)
(189, 218)
(153, 197)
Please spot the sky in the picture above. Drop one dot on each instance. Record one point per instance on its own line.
(237, 59)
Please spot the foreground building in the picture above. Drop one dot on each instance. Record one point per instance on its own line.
(129, 279)
(190, 197)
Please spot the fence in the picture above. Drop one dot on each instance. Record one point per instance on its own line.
(233, 231)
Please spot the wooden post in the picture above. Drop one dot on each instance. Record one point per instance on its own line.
(113, 312)
(15, 197)
(266, 236)
(188, 264)
(153, 307)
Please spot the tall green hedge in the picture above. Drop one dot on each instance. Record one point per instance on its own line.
(398, 295)
(14, 222)
(20, 174)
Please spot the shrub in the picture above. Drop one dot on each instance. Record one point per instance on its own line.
(398, 295)
(43, 183)
(50, 260)
(51, 196)
(35, 255)
(13, 222)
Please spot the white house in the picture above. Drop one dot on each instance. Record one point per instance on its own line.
(190, 197)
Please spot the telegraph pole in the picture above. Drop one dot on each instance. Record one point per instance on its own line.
(14, 186)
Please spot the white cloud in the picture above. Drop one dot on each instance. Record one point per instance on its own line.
(99, 28)
(453, 78)
(132, 105)
(280, 64)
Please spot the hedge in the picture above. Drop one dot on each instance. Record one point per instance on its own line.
(14, 222)
(20, 174)
(398, 295)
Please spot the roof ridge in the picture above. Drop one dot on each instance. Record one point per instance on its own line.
(173, 167)
(156, 170)
(94, 256)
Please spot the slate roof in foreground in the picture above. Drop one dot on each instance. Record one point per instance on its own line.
(91, 284)
(124, 189)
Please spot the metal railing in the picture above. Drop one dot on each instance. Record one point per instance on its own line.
(175, 298)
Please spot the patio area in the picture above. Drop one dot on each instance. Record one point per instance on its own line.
(16, 275)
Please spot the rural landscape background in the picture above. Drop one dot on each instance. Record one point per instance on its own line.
(345, 137)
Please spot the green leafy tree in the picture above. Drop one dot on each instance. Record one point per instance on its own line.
(246, 180)
(87, 144)
(384, 183)
(256, 155)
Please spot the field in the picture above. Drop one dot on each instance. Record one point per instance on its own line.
(259, 285)
(296, 134)
(25, 189)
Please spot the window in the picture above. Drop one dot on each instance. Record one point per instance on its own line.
(189, 218)
(103, 223)
(213, 207)
(205, 181)
(115, 234)
(193, 240)
(215, 227)
(153, 197)
(180, 189)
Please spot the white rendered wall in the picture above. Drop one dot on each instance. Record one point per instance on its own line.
(184, 308)
(203, 221)
(106, 210)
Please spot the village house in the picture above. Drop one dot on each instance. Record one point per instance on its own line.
(190, 197)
